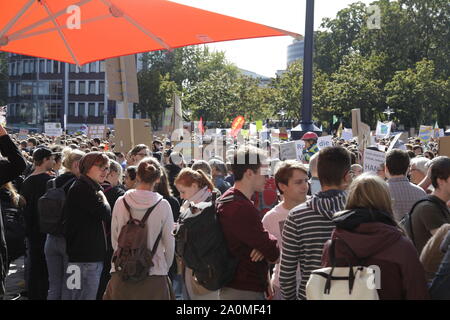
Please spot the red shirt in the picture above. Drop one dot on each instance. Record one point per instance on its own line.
(243, 230)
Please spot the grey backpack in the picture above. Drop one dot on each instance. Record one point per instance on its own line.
(51, 208)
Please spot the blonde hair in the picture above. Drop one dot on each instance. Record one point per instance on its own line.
(187, 177)
(69, 157)
(370, 192)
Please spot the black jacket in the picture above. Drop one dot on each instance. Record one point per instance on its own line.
(9, 170)
(87, 215)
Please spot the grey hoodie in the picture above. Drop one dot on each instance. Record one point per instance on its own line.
(305, 232)
(160, 219)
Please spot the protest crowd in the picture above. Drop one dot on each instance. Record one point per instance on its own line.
(260, 219)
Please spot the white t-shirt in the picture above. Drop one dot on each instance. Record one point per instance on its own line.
(273, 222)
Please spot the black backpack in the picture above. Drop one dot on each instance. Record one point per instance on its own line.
(406, 222)
(201, 244)
(51, 209)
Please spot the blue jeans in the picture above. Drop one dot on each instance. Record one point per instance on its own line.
(440, 287)
(57, 260)
(84, 279)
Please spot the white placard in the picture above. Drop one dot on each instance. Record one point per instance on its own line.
(383, 129)
(299, 146)
(96, 132)
(323, 142)
(288, 151)
(394, 142)
(53, 129)
(373, 160)
(23, 134)
(347, 134)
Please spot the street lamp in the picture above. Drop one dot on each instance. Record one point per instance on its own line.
(282, 113)
(388, 111)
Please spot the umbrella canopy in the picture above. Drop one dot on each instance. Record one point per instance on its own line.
(82, 31)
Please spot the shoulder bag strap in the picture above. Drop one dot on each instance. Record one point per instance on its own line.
(149, 211)
(127, 206)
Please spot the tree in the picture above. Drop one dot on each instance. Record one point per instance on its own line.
(155, 93)
(419, 96)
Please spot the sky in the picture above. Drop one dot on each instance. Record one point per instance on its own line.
(267, 55)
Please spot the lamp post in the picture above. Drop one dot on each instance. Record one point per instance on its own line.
(388, 111)
(282, 113)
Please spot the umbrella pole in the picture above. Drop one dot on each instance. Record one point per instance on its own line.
(16, 18)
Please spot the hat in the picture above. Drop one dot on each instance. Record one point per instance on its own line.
(41, 153)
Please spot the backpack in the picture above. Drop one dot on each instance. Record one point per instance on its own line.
(51, 209)
(133, 259)
(201, 244)
(406, 222)
(14, 225)
(342, 283)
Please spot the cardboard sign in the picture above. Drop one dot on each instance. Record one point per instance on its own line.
(444, 146)
(53, 129)
(288, 151)
(121, 75)
(373, 160)
(426, 133)
(360, 130)
(324, 142)
(97, 132)
(283, 135)
(130, 132)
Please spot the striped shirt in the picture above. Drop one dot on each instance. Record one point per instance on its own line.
(305, 232)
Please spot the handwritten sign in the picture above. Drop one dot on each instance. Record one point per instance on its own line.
(373, 160)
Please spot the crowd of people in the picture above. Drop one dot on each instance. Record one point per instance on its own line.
(279, 220)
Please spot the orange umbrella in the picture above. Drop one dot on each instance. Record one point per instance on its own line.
(82, 31)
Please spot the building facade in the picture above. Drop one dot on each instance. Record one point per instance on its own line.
(296, 51)
(41, 90)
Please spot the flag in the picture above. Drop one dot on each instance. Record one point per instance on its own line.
(335, 119)
(436, 126)
(237, 125)
(200, 126)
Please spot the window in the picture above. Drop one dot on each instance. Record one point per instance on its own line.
(26, 66)
(42, 66)
(82, 87)
(44, 88)
(27, 89)
(92, 110)
(93, 67)
(102, 66)
(83, 68)
(81, 109)
(13, 69)
(101, 107)
(72, 68)
(32, 66)
(71, 109)
(19, 68)
(56, 66)
(72, 85)
(101, 87)
(55, 88)
(91, 87)
(49, 66)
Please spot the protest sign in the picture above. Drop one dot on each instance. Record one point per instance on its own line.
(373, 160)
(425, 133)
(288, 151)
(53, 129)
(324, 142)
(360, 130)
(383, 129)
(299, 146)
(259, 125)
(394, 142)
(283, 134)
(347, 134)
(130, 132)
(98, 131)
(444, 146)
(23, 134)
